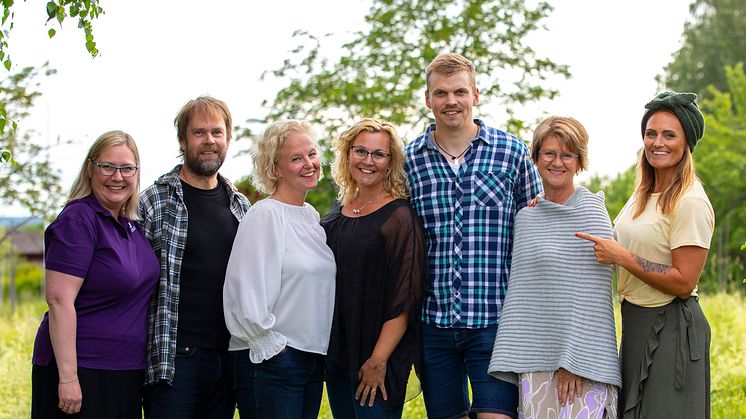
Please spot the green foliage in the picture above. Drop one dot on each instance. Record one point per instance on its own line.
(28, 279)
(245, 187)
(725, 313)
(617, 190)
(720, 158)
(85, 10)
(321, 197)
(28, 179)
(743, 247)
(715, 38)
(56, 11)
(380, 72)
(16, 344)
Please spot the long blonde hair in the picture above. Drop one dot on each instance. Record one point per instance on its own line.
(82, 186)
(395, 179)
(684, 177)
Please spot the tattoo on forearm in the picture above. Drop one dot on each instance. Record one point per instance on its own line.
(649, 266)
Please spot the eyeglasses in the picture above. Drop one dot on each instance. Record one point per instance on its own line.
(550, 155)
(109, 169)
(361, 153)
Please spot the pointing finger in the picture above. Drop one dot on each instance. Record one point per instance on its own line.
(588, 237)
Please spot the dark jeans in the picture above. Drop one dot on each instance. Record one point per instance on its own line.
(286, 386)
(202, 387)
(453, 356)
(340, 390)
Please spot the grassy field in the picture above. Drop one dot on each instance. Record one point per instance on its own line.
(726, 313)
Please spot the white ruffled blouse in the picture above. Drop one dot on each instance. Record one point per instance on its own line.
(279, 283)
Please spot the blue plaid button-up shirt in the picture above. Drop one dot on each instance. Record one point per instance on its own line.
(468, 220)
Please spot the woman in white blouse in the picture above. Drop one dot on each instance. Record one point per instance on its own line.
(279, 287)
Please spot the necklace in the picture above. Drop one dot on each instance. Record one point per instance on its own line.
(455, 158)
(357, 211)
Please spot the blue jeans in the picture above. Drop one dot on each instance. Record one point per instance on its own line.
(287, 386)
(453, 356)
(341, 393)
(202, 387)
(245, 376)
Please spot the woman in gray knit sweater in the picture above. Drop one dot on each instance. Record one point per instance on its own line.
(556, 339)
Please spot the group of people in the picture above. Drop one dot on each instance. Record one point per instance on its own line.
(464, 255)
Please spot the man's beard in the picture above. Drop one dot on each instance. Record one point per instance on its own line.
(204, 167)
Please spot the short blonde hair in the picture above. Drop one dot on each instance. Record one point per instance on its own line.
(268, 148)
(451, 63)
(394, 181)
(82, 186)
(569, 131)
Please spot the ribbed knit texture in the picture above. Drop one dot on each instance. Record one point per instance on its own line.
(558, 311)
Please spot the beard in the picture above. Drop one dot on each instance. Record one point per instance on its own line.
(205, 166)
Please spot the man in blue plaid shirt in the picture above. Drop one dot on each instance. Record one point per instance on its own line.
(467, 182)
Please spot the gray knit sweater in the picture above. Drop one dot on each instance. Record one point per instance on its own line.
(558, 311)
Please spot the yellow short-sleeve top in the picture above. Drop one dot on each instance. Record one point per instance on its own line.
(653, 235)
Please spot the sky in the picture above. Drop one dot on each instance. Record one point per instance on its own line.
(156, 55)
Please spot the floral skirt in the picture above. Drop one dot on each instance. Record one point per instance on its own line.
(537, 392)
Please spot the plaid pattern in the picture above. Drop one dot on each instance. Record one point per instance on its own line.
(164, 220)
(468, 220)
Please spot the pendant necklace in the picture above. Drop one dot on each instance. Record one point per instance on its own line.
(455, 158)
(357, 211)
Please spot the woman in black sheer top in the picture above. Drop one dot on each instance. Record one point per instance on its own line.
(378, 245)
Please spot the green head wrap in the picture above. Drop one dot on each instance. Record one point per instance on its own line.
(685, 108)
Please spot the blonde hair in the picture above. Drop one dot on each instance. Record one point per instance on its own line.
(82, 186)
(268, 148)
(451, 63)
(683, 179)
(569, 131)
(395, 179)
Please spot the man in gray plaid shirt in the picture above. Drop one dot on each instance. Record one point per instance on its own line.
(190, 215)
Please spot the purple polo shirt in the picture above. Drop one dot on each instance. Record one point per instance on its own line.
(120, 272)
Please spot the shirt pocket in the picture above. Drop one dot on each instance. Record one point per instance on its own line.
(490, 189)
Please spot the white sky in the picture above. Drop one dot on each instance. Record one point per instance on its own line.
(155, 55)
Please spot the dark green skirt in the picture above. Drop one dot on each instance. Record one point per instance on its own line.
(665, 357)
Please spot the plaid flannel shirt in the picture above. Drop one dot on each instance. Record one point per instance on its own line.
(468, 220)
(164, 220)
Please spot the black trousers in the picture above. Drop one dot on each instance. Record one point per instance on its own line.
(106, 393)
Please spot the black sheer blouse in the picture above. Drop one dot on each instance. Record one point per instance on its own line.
(380, 266)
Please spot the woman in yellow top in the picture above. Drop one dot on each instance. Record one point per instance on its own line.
(663, 235)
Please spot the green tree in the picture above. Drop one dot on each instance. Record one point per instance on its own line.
(28, 178)
(713, 39)
(617, 190)
(55, 11)
(720, 159)
(380, 71)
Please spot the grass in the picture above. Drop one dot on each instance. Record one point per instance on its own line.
(725, 312)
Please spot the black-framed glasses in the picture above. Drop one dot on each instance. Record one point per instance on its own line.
(361, 153)
(550, 155)
(109, 169)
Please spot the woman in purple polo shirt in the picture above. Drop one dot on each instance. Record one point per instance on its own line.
(89, 354)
